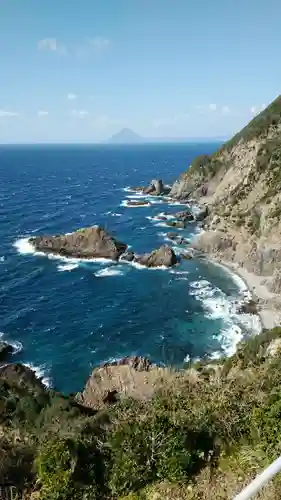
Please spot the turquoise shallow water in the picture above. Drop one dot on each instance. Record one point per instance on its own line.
(65, 316)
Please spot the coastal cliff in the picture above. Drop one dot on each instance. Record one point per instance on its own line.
(240, 184)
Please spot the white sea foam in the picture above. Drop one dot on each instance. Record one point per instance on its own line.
(24, 246)
(177, 204)
(17, 346)
(2, 258)
(141, 267)
(41, 372)
(218, 306)
(181, 273)
(68, 266)
(128, 189)
(159, 217)
(109, 271)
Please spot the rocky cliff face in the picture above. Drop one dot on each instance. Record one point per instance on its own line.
(241, 185)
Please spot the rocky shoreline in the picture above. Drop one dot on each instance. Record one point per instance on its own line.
(94, 242)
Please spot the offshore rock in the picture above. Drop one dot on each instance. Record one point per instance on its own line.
(164, 256)
(87, 243)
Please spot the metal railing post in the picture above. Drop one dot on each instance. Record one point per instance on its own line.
(260, 481)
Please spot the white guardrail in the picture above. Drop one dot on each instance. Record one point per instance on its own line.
(261, 480)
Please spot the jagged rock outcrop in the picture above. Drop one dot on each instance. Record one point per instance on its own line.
(156, 187)
(241, 186)
(5, 350)
(22, 377)
(184, 215)
(91, 242)
(127, 256)
(180, 240)
(164, 256)
(180, 224)
(133, 376)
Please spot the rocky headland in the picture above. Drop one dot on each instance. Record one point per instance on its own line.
(239, 187)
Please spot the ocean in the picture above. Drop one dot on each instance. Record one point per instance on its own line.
(66, 316)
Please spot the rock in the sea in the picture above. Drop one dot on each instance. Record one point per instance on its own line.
(5, 350)
(187, 254)
(185, 216)
(178, 239)
(249, 307)
(173, 236)
(180, 224)
(127, 256)
(156, 187)
(138, 203)
(85, 243)
(164, 256)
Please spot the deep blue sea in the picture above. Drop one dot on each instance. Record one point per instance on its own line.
(65, 317)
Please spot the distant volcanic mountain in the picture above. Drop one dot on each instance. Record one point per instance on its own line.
(126, 136)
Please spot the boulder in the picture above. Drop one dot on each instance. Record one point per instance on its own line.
(249, 307)
(173, 236)
(185, 216)
(138, 203)
(176, 223)
(164, 256)
(85, 243)
(202, 214)
(5, 350)
(187, 255)
(127, 256)
(156, 187)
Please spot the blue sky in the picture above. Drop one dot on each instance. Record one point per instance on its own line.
(82, 70)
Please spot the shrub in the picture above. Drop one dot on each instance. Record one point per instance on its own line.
(151, 448)
(70, 468)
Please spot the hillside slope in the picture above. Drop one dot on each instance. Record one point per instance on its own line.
(243, 181)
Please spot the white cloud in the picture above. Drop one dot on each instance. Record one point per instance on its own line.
(51, 45)
(71, 96)
(263, 106)
(254, 110)
(99, 43)
(8, 114)
(79, 114)
(225, 110)
(43, 113)
(212, 107)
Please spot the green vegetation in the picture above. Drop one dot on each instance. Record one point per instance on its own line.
(258, 127)
(266, 128)
(223, 423)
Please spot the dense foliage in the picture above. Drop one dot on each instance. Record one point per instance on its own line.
(52, 445)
